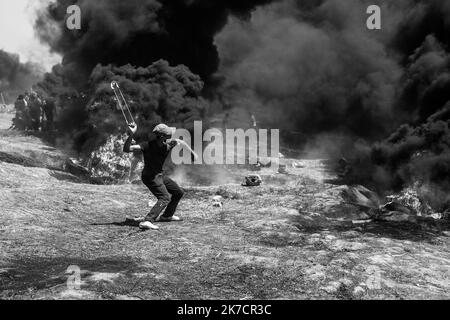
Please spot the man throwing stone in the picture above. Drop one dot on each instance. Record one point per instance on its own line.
(167, 191)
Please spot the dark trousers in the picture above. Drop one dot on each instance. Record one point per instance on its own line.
(35, 123)
(48, 121)
(168, 194)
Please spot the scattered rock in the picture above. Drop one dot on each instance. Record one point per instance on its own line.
(282, 169)
(347, 282)
(252, 180)
(362, 221)
(358, 291)
(396, 216)
(332, 287)
(292, 212)
(341, 245)
(315, 273)
(297, 165)
(217, 201)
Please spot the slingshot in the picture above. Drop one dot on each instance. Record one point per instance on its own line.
(123, 105)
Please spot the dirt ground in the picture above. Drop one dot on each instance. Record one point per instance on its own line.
(291, 238)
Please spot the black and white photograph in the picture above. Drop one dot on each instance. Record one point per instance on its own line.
(224, 150)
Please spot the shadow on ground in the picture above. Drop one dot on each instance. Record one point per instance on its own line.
(126, 223)
(423, 230)
(36, 273)
(63, 176)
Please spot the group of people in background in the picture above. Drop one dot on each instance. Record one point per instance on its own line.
(34, 113)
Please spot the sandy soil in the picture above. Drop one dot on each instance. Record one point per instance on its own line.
(290, 238)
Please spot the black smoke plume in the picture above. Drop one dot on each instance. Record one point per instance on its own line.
(304, 66)
(121, 40)
(312, 67)
(15, 76)
(157, 93)
(139, 32)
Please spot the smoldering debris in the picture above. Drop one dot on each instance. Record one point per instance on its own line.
(252, 180)
(361, 196)
(412, 156)
(110, 161)
(404, 206)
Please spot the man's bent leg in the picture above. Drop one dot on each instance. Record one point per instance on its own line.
(157, 187)
(176, 192)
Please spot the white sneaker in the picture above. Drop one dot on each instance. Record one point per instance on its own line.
(164, 219)
(147, 225)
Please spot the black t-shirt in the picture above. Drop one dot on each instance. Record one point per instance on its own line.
(35, 108)
(20, 105)
(154, 156)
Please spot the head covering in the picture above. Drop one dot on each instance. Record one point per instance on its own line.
(164, 130)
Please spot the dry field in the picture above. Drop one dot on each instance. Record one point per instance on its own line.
(291, 238)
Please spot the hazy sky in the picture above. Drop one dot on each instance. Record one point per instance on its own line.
(17, 32)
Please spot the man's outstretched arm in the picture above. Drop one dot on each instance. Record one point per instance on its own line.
(184, 145)
(127, 148)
